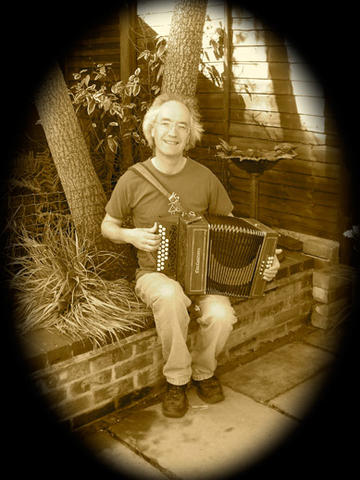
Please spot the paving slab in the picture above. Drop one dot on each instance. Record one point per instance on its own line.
(114, 454)
(210, 439)
(298, 400)
(326, 339)
(277, 371)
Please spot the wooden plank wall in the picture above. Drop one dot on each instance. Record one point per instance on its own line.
(269, 96)
(275, 98)
(99, 44)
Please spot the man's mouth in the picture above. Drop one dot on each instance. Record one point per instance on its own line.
(171, 142)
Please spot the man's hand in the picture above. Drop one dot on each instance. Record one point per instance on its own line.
(145, 238)
(270, 273)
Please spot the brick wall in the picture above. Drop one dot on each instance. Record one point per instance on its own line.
(334, 295)
(82, 383)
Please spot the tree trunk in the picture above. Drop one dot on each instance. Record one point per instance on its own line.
(84, 193)
(184, 47)
(127, 25)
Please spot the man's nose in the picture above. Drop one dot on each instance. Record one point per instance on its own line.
(172, 129)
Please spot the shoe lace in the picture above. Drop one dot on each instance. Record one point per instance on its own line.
(175, 391)
(211, 382)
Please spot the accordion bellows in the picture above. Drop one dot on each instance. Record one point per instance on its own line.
(215, 254)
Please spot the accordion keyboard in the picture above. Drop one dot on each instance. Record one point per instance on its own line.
(166, 254)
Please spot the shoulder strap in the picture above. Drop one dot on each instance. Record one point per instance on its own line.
(145, 172)
(175, 206)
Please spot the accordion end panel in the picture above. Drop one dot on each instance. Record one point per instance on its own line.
(239, 251)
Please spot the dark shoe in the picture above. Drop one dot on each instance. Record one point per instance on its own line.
(209, 390)
(175, 402)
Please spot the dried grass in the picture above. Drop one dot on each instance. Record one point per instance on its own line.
(58, 285)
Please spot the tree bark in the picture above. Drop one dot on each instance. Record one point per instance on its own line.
(84, 193)
(181, 66)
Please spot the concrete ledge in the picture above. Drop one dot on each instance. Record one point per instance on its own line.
(318, 247)
(83, 382)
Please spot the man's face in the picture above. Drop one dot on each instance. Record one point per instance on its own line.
(171, 129)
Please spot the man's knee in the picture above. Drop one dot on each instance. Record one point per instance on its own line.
(170, 292)
(218, 313)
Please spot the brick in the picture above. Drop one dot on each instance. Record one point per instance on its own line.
(322, 248)
(101, 361)
(82, 346)
(92, 415)
(329, 321)
(146, 344)
(289, 243)
(135, 363)
(122, 353)
(302, 296)
(244, 320)
(136, 396)
(288, 314)
(271, 309)
(114, 390)
(70, 408)
(150, 376)
(327, 296)
(283, 272)
(81, 386)
(73, 371)
(309, 262)
(57, 395)
(334, 276)
(296, 267)
(298, 322)
(332, 307)
(48, 380)
(37, 362)
(59, 354)
(307, 281)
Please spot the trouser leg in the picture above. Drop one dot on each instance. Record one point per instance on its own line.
(169, 304)
(215, 325)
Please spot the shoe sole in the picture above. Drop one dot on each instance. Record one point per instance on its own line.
(211, 400)
(175, 415)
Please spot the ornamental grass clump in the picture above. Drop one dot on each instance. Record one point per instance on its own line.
(57, 284)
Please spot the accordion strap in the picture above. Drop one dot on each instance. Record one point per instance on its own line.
(145, 172)
(174, 199)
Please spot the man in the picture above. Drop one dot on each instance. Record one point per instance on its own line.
(171, 126)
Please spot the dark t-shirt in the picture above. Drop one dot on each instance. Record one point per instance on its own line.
(199, 190)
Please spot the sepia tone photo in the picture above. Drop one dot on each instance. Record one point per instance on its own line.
(182, 243)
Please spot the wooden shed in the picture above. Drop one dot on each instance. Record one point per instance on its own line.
(269, 95)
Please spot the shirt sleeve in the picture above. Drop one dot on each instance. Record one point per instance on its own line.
(219, 203)
(118, 205)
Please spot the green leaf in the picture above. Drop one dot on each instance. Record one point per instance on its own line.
(112, 143)
(91, 105)
(160, 72)
(160, 51)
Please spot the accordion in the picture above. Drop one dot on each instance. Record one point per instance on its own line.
(215, 254)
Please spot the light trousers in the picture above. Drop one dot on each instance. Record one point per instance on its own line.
(170, 305)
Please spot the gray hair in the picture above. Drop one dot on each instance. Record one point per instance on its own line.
(196, 128)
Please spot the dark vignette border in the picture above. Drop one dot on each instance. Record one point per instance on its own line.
(327, 37)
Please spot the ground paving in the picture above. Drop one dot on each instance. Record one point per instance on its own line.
(267, 398)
